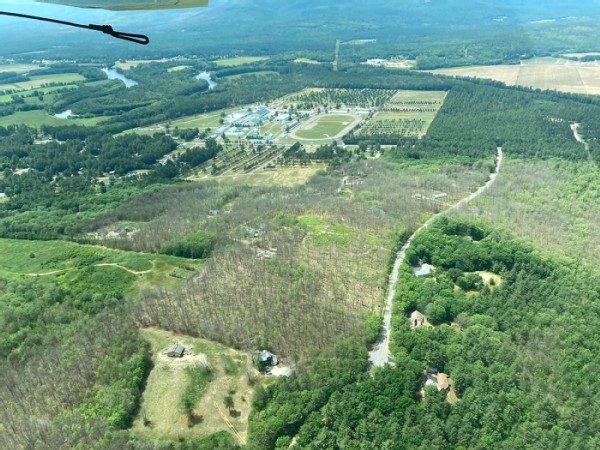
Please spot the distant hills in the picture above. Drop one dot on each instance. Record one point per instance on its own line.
(257, 26)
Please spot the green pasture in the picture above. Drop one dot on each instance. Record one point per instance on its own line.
(326, 127)
(239, 60)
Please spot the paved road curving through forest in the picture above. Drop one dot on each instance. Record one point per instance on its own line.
(379, 355)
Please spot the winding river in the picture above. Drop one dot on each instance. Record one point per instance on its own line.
(206, 77)
(112, 74)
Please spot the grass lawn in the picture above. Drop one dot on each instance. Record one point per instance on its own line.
(238, 61)
(169, 379)
(325, 127)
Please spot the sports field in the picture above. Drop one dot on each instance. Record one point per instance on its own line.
(543, 73)
(325, 127)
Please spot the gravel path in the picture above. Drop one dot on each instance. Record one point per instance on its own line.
(380, 354)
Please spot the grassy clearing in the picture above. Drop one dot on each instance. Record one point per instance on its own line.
(324, 234)
(174, 379)
(306, 61)
(392, 64)
(74, 263)
(543, 73)
(326, 126)
(37, 118)
(238, 61)
(202, 121)
(40, 80)
(19, 68)
(177, 68)
(281, 176)
(490, 279)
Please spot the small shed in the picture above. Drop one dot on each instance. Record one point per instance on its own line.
(417, 319)
(268, 358)
(176, 351)
(423, 271)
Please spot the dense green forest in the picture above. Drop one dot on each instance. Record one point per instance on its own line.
(518, 355)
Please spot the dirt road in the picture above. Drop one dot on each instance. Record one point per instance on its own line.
(380, 354)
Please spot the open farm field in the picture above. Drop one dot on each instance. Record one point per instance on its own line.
(543, 73)
(40, 80)
(17, 67)
(239, 60)
(324, 127)
(171, 383)
(38, 117)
